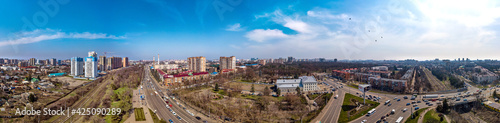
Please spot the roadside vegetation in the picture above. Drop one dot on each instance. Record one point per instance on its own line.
(416, 114)
(433, 117)
(349, 112)
(139, 114)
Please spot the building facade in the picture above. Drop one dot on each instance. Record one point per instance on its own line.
(92, 54)
(227, 62)
(102, 63)
(32, 62)
(289, 86)
(125, 62)
(197, 64)
(77, 66)
(53, 61)
(90, 67)
(388, 84)
(113, 63)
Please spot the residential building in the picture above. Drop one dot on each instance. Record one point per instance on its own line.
(91, 67)
(53, 61)
(197, 64)
(305, 83)
(22, 64)
(125, 62)
(484, 75)
(170, 80)
(227, 62)
(262, 61)
(77, 66)
(388, 84)
(114, 63)
(102, 63)
(32, 62)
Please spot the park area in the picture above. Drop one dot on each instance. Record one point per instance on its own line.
(139, 114)
(416, 114)
(433, 117)
(351, 108)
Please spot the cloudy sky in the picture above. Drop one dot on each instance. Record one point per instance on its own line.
(141, 29)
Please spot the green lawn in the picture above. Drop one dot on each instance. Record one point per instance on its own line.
(346, 106)
(155, 118)
(312, 96)
(139, 114)
(252, 97)
(221, 92)
(433, 117)
(417, 113)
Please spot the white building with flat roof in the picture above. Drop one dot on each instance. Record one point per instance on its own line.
(289, 86)
(77, 66)
(91, 67)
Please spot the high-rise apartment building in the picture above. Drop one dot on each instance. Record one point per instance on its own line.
(197, 64)
(22, 64)
(91, 67)
(76, 66)
(113, 63)
(32, 62)
(53, 61)
(125, 62)
(227, 62)
(93, 54)
(102, 63)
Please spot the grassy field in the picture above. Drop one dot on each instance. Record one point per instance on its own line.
(155, 118)
(139, 114)
(347, 105)
(417, 113)
(433, 117)
(248, 86)
(312, 96)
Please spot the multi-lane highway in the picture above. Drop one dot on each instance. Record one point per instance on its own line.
(155, 97)
(332, 111)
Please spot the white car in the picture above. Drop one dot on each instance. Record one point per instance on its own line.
(364, 121)
(404, 110)
(173, 112)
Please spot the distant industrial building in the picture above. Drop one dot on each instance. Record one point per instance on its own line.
(227, 62)
(289, 86)
(197, 64)
(77, 66)
(380, 68)
(91, 67)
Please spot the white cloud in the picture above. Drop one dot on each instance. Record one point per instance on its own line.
(39, 35)
(235, 27)
(261, 35)
(399, 30)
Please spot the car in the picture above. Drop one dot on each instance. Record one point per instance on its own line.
(442, 95)
(465, 99)
(170, 120)
(374, 99)
(426, 100)
(364, 121)
(427, 103)
(399, 99)
(173, 112)
(405, 97)
(416, 108)
(404, 110)
(395, 98)
(178, 117)
(198, 118)
(415, 105)
(170, 110)
(407, 104)
(431, 104)
(383, 117)
(389, 104)
(413, 102)
(419, 101)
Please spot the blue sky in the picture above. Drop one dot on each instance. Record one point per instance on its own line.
(140, 29)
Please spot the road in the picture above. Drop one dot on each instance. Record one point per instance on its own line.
(158, 103)
(332, 111)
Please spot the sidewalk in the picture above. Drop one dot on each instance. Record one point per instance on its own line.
(136, 103)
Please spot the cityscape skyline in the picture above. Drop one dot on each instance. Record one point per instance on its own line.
(351, 30)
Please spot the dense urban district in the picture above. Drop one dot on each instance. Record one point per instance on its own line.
(228, 89)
